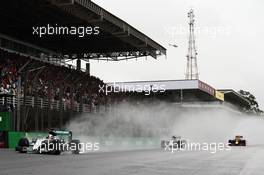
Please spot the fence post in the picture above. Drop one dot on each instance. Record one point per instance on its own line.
(18, 120)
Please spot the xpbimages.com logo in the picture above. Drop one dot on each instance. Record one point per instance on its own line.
(49, 146)
(184, 145)
(80, 31)
(117, 88)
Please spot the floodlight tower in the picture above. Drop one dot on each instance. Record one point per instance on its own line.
(192, 67)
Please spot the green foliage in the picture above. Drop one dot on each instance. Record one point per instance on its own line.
(254, 106)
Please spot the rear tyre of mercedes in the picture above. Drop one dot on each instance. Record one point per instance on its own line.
(75, 146)
(22, 145)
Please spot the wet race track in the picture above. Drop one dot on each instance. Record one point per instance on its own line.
(238, 161)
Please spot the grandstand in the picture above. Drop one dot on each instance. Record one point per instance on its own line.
(187, 92)
(39, 86)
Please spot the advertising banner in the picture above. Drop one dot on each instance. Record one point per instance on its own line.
(206, 88)
(220, 95)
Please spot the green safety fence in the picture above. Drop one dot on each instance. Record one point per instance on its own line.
(13, 137)
(5, 121)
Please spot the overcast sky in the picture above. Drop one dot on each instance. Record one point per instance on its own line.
(229, 37)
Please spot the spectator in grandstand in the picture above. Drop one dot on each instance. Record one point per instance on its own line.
(49, 82)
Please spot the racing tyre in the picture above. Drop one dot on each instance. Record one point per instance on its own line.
(243, 143)
(55, 147)
(231, 142)
(22, 143)
(162, 144)
(75, 146)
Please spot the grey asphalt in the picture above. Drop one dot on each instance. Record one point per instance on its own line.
(238, 161)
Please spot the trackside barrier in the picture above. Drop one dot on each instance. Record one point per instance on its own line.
(5, 121)
(44, 103)
(13, 137)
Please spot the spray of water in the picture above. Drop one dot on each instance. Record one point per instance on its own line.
(129, 122)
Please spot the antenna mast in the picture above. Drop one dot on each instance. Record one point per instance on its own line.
(192, 68)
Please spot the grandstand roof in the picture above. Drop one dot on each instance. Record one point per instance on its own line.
(169, 85)
(191, 88)
(117, 39)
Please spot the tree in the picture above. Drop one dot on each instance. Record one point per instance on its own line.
(254, 106)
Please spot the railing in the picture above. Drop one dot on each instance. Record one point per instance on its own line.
(46, 104)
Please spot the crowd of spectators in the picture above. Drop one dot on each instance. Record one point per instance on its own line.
(9, 73)
(48, 81)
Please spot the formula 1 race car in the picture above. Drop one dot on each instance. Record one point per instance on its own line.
(55, 143)
(174, 142)
(238, 141)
